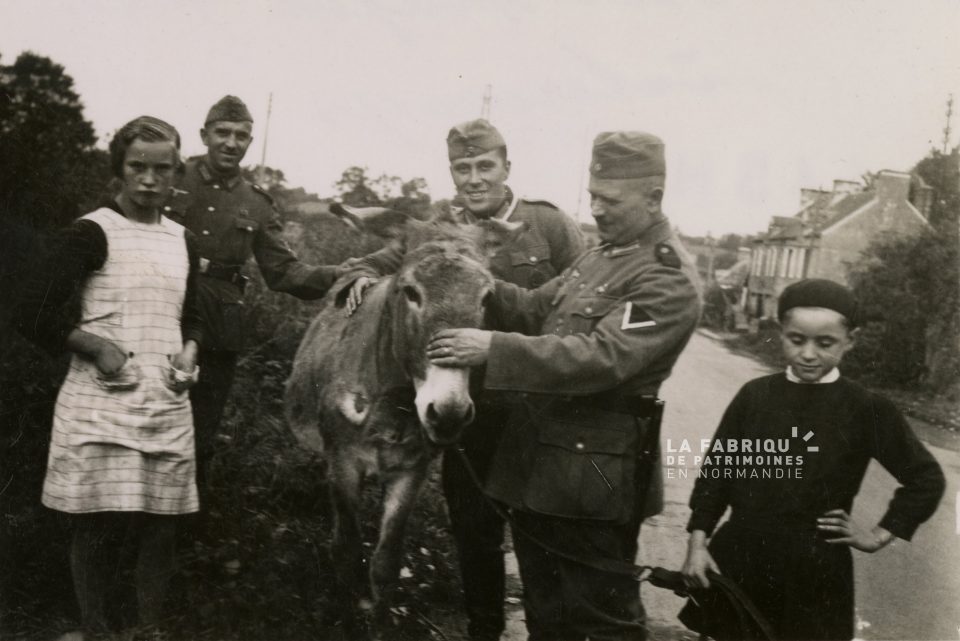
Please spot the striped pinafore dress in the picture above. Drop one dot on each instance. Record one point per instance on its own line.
(127, 449)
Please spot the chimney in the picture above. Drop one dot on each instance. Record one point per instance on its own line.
(892, 186)
(808, 196)
(846, 187)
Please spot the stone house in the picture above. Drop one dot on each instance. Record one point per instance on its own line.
(829, 232)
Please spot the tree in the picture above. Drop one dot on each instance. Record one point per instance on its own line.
(48, 166)
(910, 292)
(355, 190)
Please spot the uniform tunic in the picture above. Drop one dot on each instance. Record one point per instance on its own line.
(770, 545)
(613, 324)
(233, 220)
(132, 449)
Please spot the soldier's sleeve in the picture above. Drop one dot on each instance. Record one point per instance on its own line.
(518, 309)
(282, 270)
(649, 325)
(382, 262)
(566, 241)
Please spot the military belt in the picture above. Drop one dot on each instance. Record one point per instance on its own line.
(639, 406)
(229, 273)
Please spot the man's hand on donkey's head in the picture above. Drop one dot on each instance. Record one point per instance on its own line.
(355, 297)
(462, 347)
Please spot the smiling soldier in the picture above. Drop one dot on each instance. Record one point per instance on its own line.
(233, 220)
(480, 168)
(578, 461)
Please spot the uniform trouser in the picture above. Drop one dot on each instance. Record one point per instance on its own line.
(477, 528)
(209, 398)
(567, 601)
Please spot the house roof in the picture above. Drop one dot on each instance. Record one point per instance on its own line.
(844, 207)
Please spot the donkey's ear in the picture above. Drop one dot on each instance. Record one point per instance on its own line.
(498, 233)
(379, 221)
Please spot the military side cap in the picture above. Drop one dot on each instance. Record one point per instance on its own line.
(627, 154)
(819, 292)
(473, 138)
(229, 108)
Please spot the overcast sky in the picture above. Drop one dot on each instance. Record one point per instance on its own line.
(754, 99)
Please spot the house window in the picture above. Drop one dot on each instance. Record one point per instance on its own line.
(772, 263)
(785, 257)
(798, 263)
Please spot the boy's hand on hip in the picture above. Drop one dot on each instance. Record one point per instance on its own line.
(852, 533)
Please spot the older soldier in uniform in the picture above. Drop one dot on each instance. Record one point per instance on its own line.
(232, 219)
(480, 168)
(578, 463)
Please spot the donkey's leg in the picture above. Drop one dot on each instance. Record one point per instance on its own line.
(346, 548)
(400, 494)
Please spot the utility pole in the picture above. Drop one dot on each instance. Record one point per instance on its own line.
(485, 108)
(266, 132)
(946, 129)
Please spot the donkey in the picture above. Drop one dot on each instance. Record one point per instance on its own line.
(363, 392)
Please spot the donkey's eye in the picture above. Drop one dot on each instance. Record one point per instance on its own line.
(412, 295)
(486, 299)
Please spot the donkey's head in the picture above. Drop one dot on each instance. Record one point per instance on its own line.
(444, 282)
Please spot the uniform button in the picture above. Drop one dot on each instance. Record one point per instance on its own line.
(601, 289)
(211, 208)
(582, 285)
(249, 228)
(533, 259)
(205, 232)
(579, 445)
(166, 208)
(606, 254)
(589, 310)
(216, 186)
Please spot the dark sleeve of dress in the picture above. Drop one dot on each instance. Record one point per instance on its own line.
(898, 449)
(711, 496)
(48, 309)
(191, 322)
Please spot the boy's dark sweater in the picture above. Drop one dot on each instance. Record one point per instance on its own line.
(850, 426)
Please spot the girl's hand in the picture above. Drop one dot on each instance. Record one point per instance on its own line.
(109, 359)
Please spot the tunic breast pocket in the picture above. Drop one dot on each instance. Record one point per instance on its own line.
(531, 266)
(587, 311)
(242, 234)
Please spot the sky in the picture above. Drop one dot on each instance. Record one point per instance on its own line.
(753, 98)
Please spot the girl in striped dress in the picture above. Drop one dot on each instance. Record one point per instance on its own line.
(122, 449)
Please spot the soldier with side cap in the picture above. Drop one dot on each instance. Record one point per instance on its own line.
(233, 219)
(578, 463)
(480, 168)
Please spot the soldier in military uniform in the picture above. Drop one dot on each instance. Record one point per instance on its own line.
(578, 463)
(233, 220)
(480, 167)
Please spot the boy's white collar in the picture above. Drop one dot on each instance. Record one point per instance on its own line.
(830, 377)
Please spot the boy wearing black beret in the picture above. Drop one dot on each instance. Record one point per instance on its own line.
(788, 458)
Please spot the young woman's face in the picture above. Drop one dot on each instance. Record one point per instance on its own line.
(814, 340)
(148, 171)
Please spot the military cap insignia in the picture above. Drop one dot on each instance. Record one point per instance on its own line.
(472, 151)
(598, 166)
(667, 256)
(636, 318)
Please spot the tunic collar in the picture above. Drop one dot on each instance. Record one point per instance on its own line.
(657, 232)
(209, 176)
(830, 377)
